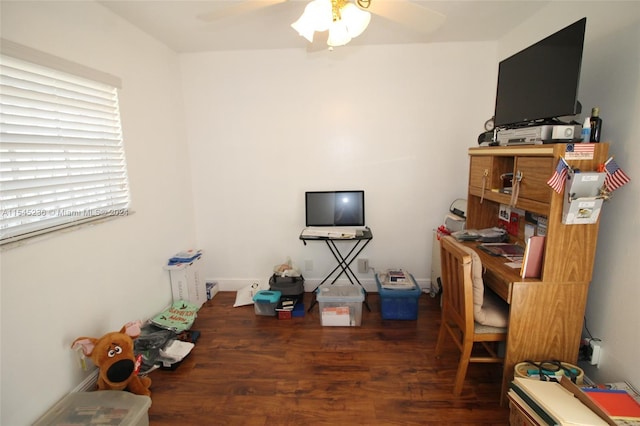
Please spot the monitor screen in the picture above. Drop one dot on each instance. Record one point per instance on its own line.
(540, 83)
(334, 208)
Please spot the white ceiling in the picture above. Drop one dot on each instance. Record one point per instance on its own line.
(265, 24)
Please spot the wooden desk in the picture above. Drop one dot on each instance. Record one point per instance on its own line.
(545, 318)
(546, 314)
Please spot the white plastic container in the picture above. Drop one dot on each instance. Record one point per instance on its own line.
(187, 283)
(122, 408)
(340, 305)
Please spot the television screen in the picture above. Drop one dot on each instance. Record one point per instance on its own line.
(540, 83)
(334, 208)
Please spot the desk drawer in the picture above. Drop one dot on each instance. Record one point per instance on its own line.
(498, 285)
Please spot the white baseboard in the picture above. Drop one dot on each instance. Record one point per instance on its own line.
(89, 382)
(235, 284)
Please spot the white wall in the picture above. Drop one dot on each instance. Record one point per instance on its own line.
(610, 79)
(264, 127)
(94, 280)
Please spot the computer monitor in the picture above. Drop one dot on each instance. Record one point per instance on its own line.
(334, 208)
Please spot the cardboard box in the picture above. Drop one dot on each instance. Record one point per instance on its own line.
(187, 283)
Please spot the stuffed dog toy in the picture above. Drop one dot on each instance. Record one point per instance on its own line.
(113, 355)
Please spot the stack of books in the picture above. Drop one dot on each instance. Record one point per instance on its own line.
(563, 403)
(619, 402)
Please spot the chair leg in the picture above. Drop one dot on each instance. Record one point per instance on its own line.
(465, 356)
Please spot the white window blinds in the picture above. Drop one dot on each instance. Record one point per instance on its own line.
(61, 152)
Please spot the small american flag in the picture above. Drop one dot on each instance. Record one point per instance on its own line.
(557, 180)
(582, 147)
(615, 176)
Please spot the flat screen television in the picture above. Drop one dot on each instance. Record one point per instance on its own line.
(540, 83)
(334, 208)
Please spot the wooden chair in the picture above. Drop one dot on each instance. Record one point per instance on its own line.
(458, 310)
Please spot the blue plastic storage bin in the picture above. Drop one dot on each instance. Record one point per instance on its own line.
(399, 304)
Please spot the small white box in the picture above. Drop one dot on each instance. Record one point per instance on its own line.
(187, 283)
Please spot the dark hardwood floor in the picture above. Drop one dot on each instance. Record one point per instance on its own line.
(258, 370)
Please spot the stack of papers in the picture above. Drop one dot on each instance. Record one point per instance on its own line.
(510, 251)
(397, 279)
(329, 232)
(186, 256)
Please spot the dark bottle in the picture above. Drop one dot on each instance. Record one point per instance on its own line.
(596, 125)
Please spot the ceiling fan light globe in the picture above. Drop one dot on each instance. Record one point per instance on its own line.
(338, 34)
(303, 30)
(317, 16)
(355, 19)
(320, 14)
(305, 27)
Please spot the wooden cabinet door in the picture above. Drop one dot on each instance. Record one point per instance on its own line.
(535, 172)
(480, 172)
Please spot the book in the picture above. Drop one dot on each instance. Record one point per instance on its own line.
(533, 406)
(617, 403)
(527, 409)
(532, 260)
(624, 386)
(286, 304)
(559, 403)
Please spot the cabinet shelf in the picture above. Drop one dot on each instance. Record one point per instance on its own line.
(523, 204)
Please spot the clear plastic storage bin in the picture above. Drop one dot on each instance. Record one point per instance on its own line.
(119, 408)
(340, 305)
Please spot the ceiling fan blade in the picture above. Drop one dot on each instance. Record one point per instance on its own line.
(411, 15)
(238, 7)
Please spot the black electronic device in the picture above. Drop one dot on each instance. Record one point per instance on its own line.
(334, 208)
(485, 137)
(540, 83)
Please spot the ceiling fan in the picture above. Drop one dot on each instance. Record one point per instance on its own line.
(412, 16)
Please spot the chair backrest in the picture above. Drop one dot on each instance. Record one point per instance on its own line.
(457, 285)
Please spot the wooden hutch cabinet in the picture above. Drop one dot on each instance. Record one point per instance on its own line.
(545, 314)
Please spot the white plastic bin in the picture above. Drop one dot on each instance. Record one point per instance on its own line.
(121, 408)
(340, 305)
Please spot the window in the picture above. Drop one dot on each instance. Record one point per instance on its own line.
(62, 159)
